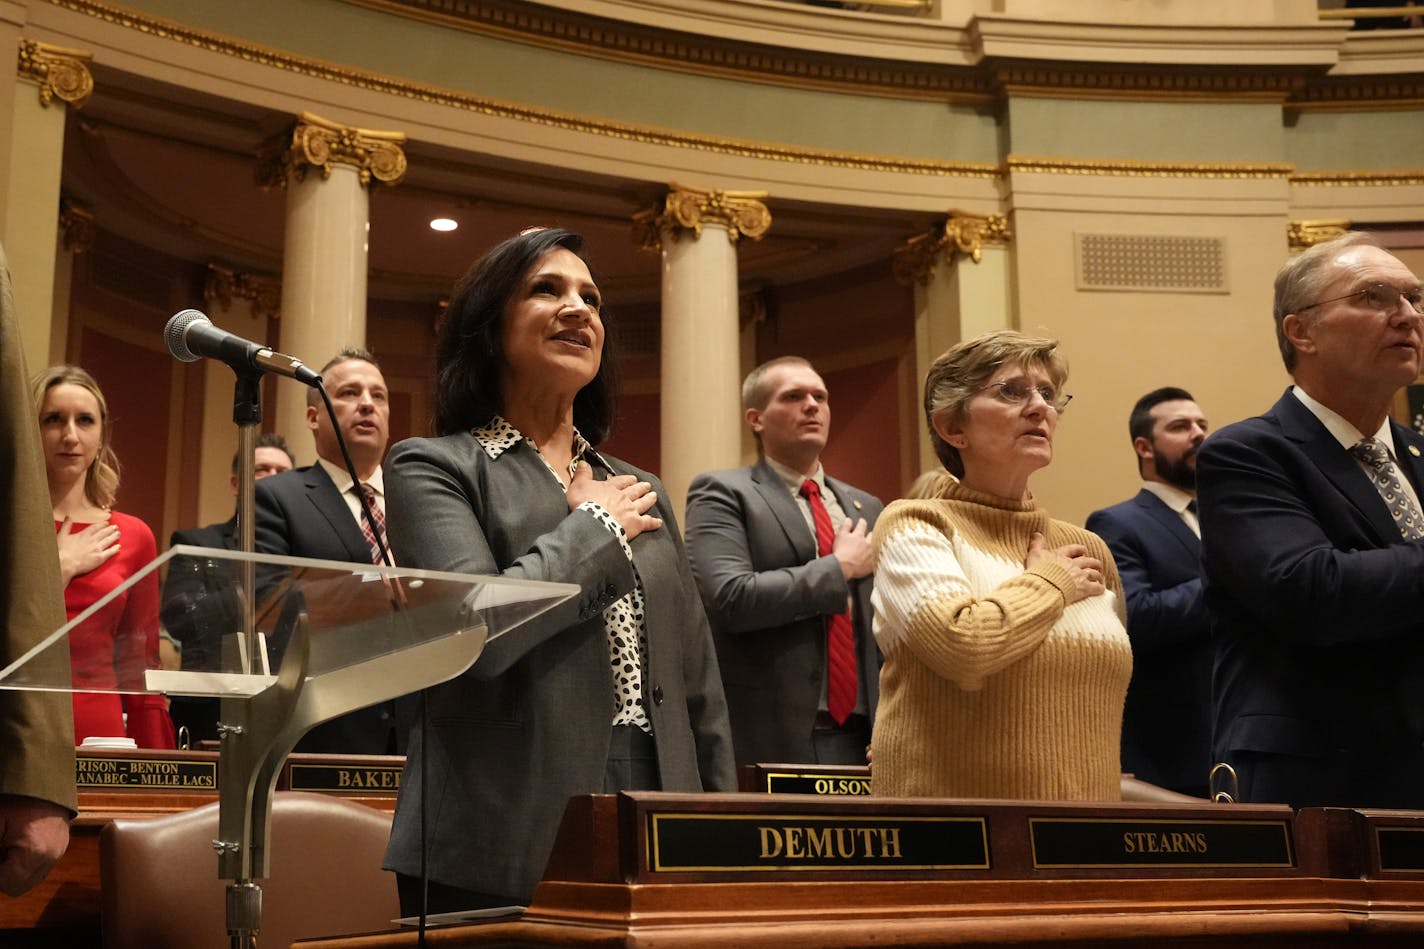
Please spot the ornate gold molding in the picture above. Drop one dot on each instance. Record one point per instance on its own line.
(76, 227)
(1303, 234)
(62, 73)
(1157, 82)
(1345, 179)
(224, 284)
(1149, 169)
(685, 209)
(315, 142)
(960, 234)
(375, 82)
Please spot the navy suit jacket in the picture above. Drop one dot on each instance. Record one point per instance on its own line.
(1166, 726)
(301, 514)
(199, 606)
(1315, 600)
(767, 595)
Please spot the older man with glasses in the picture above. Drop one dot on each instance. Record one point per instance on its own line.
(1313, 547)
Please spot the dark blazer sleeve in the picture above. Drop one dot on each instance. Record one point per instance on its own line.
(1291, 537)
(435, 506)
(1159, 615)
(742, 588)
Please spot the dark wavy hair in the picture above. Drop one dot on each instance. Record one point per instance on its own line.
(469, 357)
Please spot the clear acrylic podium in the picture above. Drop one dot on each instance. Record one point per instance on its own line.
(286, 643)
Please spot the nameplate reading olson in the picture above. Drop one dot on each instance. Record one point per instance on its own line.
(90, 773)
(1092, 842)
(785, 782)
(683, 842)
(345, 778)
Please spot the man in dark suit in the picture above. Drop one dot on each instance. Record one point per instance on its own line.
(1154, 537)
(314, 512)
(1312, 552)
(198, 604)
(772, 582)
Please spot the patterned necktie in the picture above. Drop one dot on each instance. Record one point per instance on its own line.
(840, 635)
(380, 517)
(1386, 480)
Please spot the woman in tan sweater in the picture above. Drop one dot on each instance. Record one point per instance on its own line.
(1006, 657)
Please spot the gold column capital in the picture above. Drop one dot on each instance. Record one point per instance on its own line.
(315, 142)
(76, 226)
(685, 209)
(62, 73)
(960, 234)
(1303, 234)
(223, 285)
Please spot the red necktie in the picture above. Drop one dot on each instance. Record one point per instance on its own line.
(380, 518)
(840, 634)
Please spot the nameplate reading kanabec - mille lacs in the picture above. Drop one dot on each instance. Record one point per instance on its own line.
(684, 842)
(345, 778)
(95, 772)
(1102, 842)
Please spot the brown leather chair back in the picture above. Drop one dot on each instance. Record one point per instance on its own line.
(161, 889)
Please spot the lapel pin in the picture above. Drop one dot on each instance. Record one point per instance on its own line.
(1414, 451)
(858, 504)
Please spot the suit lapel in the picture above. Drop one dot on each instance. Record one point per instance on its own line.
(784, 508)
(1170, 520)
(1301, 426)
(322, 493)
(1409, 449)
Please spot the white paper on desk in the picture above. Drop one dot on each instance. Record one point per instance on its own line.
(462, 916)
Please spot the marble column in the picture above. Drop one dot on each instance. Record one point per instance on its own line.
(326, 169)
(50, 79)
(963, 287)
(696, 232)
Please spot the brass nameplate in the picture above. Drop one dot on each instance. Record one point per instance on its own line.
(1401, 849)
(785, 782)
(345, 778)
(683, 842)
(1095, 843)
(146, 773)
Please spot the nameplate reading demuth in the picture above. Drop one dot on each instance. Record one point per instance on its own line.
(1082, 843)
(106, 772)
(730, 841)
(344, 778)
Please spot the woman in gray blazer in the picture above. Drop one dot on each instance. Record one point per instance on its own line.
(616, 690)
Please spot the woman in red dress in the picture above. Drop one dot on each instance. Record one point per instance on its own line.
(99, 549)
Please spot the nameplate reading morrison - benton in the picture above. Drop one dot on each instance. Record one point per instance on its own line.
(345, 778)
(147, 773)
(684, 842)
(1093, 842)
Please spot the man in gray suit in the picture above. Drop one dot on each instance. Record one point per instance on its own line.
(789, 602)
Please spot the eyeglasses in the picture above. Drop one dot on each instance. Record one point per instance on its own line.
(1018, 392)
(1380, 296)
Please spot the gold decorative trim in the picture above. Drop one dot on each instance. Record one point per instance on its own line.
(1148, 169)
(686, 209)
(224, 284)
(1303, 234)
(76, 227)
(1344, 179)
(315, 142)
(700, 55)
(373, 82)
(960, 234)
(62, 73)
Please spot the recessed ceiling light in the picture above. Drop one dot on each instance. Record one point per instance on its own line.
(444, 224)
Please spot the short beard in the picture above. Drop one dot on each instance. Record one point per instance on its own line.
(1179, 473)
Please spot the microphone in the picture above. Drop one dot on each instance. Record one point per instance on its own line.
(190, 336)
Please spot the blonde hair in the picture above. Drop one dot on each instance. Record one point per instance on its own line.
(963, 370)
(101, 481)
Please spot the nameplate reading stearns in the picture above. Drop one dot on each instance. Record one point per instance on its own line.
(686, 842)
(147, 773)
(1094, 843)
(345, 778)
